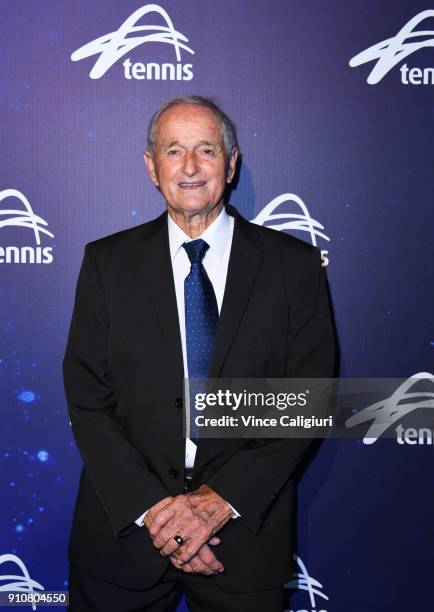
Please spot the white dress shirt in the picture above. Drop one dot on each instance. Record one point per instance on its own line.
(219, 237)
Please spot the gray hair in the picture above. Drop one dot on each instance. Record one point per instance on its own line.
(228, 128)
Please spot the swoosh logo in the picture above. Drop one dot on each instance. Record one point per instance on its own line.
(393, 50)
(385, 413)
(22, 218)
(290, 221)
(21, 582)
(304, 582)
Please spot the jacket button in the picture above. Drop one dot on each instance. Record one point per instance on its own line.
(173, 473)
(179, 403)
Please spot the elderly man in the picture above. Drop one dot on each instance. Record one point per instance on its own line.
(197, 292)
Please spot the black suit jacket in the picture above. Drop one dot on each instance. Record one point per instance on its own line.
(123, 375)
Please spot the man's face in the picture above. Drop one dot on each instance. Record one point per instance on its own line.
(189, 164)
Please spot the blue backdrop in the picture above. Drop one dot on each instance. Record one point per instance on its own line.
(344, 153)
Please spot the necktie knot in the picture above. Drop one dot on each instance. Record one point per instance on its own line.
(196, 250)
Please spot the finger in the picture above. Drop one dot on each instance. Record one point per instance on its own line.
(167, 508)
(153, 511)
(168, 531)
(175, 562)
(171, 545)
(177, 510)
(214, 541)
(207, 556)
(160, 519)
(165, 539)
(199, 567)
(190, 548)
(169, 548)
(181, 523)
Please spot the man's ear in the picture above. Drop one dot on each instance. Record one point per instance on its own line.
(232, 164)
(150, 166)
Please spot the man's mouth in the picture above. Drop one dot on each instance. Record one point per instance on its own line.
(191, 184)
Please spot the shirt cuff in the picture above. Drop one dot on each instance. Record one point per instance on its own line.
(236, 514)
(140, 522)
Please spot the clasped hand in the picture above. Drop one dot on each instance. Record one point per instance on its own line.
(196, 517)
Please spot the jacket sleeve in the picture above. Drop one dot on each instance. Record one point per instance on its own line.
(120, 475)
(252, 479)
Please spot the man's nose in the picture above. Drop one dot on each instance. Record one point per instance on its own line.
(190, 165)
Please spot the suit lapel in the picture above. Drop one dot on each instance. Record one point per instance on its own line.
(159, 274)
(244, 263)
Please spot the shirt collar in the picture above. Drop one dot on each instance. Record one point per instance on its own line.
(216, 235)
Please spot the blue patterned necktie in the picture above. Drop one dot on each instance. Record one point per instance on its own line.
(201, 317)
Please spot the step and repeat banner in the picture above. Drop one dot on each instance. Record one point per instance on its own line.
(334, 107)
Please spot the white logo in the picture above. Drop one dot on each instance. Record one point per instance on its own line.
(292, 221)
(385, 413)
(111, 47)
(20, 582)
(304, 582)
(393, 50)
(26, 219)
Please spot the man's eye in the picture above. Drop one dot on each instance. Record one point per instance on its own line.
(173, 152)
(209, 152)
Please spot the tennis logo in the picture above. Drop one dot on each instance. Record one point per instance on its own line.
(303, 582)
(17, 582)
(33, 224)
(394, 50)
(415, 393)
(279, 215)
(109, 48)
